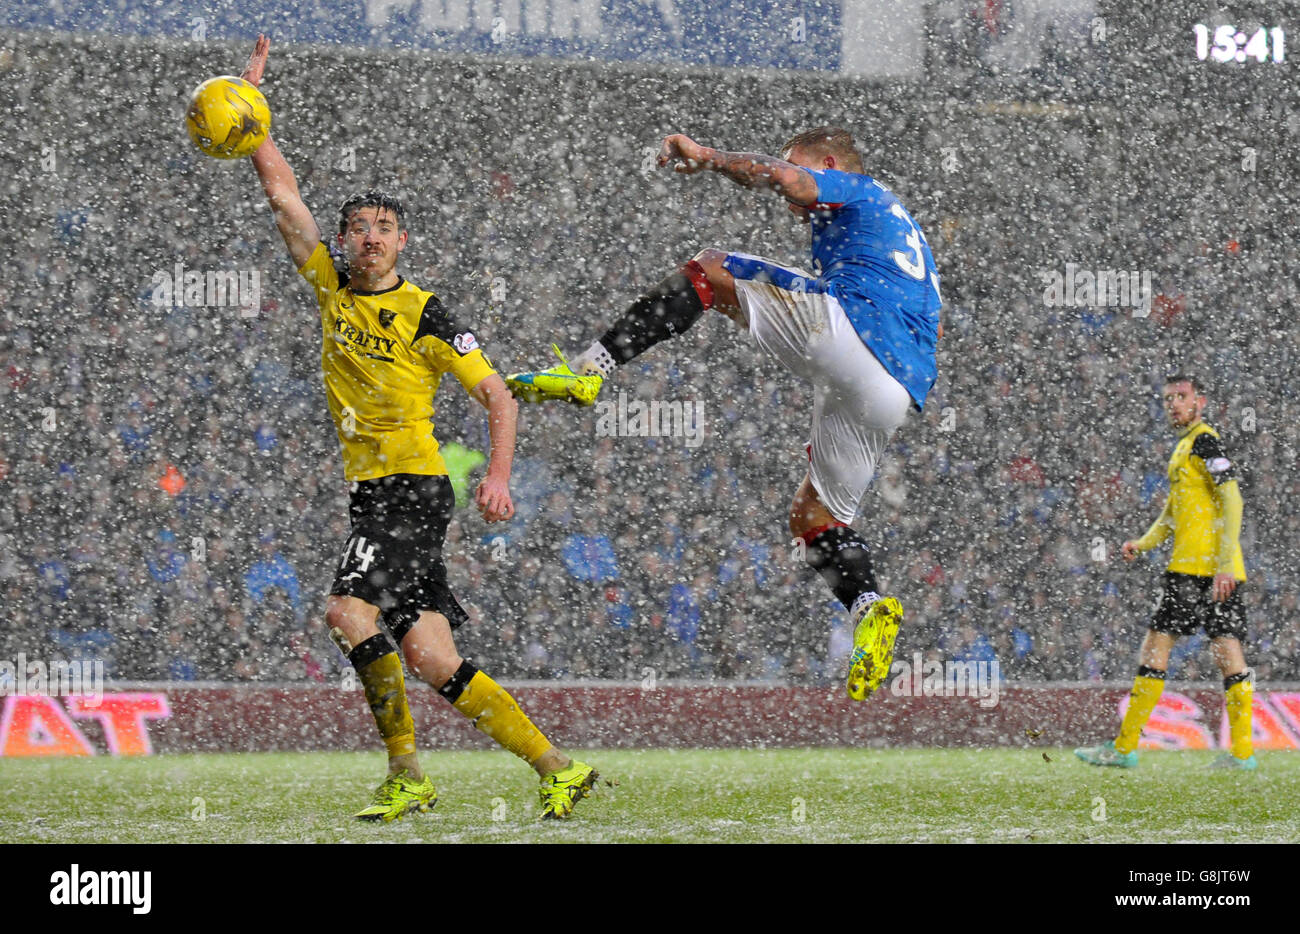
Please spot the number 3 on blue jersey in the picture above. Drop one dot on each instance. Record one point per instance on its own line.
(914, 265)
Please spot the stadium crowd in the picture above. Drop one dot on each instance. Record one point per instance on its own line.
(171, 495)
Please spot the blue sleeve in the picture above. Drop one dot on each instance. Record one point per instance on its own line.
(835, 187)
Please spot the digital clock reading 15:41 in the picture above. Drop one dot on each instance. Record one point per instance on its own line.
(1233, 45)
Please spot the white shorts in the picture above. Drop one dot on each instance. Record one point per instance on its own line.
(857, 405)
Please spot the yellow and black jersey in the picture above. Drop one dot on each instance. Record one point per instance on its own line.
(1201, 479)
(383, 354)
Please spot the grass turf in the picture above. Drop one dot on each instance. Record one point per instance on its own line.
(697, 796)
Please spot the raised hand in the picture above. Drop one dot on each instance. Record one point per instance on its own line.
(257, 61)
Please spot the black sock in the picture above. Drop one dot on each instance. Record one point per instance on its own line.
(1236, 679)
(455, 685)
(665, 311)
(842, 558)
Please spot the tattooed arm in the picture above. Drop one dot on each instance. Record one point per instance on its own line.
(748, 169)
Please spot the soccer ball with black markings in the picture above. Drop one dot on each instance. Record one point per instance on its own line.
(228, 117)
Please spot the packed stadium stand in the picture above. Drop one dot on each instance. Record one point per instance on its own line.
(171, 496)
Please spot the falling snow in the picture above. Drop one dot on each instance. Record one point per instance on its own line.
(172, 497)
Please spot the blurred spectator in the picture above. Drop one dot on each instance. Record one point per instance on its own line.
(178, 425)
(271, 572)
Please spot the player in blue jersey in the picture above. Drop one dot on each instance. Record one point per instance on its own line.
(861, 327)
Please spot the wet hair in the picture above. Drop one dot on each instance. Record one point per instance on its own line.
(832, 141)
(1197, 388)
(369, 199)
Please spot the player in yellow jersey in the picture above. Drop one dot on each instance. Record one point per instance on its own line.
(385, 345)
(1202, 584)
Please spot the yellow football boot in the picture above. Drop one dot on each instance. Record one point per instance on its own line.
(559, 382)
(561, 790)
(873, 647)
(400, 795)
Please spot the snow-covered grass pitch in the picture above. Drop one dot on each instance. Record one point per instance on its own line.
(727, 795)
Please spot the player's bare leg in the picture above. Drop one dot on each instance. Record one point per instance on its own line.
(1227, 654)
(430, 650)
(1238, 695)
(431, 654)
(1155, 650)
(807, 512)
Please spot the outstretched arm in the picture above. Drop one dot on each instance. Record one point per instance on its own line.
(748, 169)
(297, 226)
(493, 493)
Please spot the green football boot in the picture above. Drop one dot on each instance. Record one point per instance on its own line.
(561, 790)
(400, 795)
(559, 382)
(1106, 754)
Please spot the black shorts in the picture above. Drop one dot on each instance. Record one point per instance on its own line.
(393, 558)
(1187, 603)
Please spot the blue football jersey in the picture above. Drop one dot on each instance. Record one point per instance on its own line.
(870, 254)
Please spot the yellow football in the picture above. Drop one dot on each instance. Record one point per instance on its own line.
(228, 117)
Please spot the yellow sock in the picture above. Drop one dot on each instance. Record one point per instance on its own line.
(491, 708)
(1147, 688)
(1238, 695)
(380, 671)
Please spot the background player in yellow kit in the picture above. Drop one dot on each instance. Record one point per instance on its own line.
(1202, 585)
(386, 344)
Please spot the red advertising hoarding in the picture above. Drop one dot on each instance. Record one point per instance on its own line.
(180, 718)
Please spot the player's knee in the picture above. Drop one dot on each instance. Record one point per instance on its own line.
(1156, 647)
(807, 512)
(355, 626)
(711, 259)
(1228, 655)
(808, 524)
(712, 262)
(334, 616)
